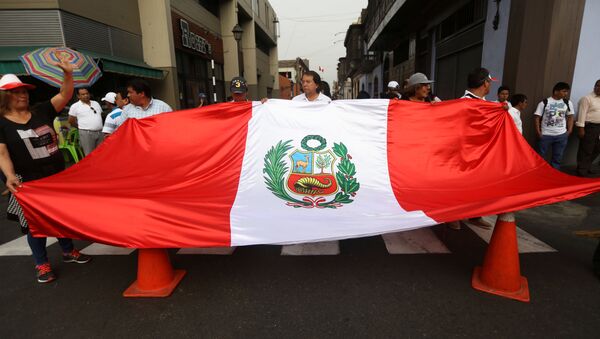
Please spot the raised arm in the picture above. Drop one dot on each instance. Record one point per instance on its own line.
(60, 100)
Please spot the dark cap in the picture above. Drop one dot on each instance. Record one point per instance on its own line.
(202, 96)
(238, 85)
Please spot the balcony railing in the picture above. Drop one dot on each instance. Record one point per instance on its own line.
(376, 11)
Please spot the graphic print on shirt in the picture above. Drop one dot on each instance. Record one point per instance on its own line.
(555, 113)
(40, 142)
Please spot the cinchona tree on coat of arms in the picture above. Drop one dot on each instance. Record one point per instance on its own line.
(305, 177)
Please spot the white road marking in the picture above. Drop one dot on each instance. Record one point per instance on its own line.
(102, 249)
(527, 243)
(20, 246)
(421, 240)
(313, 248)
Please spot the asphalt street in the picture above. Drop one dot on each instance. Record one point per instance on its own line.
(363, 292)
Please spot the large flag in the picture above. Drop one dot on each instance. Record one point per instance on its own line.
(285, 172)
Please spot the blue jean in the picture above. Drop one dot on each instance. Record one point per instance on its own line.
(558, 144)
(38, 248)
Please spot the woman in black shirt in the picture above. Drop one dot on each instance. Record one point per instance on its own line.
(29, 151)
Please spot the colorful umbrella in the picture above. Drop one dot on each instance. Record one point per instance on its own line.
(40, 64)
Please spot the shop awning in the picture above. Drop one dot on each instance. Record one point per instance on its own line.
(113, 64)
(9, 59)
(10, 63)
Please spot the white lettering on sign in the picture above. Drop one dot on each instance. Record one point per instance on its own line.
(192, 40)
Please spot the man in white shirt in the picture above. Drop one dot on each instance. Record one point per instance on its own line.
(86, 115)
(311, 85)
(588, 125)
(479, 82)
(115, 117)
(142, 104)
(554, 123)
(518, 104)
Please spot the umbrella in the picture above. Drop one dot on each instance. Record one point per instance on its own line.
(40, 64)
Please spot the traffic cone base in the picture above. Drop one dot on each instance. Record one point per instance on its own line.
(155, 275)
(521, 294)
(135, 291)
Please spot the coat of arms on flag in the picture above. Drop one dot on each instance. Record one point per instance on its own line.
(313, 173)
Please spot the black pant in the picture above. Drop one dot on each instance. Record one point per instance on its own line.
(589, 147)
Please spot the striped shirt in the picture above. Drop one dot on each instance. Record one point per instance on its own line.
(137, 112)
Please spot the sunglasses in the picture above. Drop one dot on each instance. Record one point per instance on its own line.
(93, 110)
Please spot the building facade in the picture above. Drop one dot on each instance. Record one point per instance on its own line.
(183, 47)
(529, 45)
(292, 70)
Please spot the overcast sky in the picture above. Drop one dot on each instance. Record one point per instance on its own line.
(315, 30)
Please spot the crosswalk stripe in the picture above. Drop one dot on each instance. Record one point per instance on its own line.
(208, 251)
(19, 246)
(421, 240)
(313, 248)
(527, 243)
(102, 249)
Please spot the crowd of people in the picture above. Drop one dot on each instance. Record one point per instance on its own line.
(29, 150)
(553, 118)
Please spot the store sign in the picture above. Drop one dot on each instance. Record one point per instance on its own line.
(192, 40)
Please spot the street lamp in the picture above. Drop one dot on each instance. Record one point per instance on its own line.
(237, 35)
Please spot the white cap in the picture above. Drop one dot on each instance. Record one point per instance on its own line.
(110, 97)
(11, 81)
(393, 84)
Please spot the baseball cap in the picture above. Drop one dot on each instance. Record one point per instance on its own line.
(11, 81)
(110, 97)
(393, 84)
(238, 85)
(418, 78)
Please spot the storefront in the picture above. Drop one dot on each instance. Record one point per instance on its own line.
(199, 57)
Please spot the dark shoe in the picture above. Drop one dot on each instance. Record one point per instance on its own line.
(76, 257)
(479, 222)
(44, 273)
(455, 225)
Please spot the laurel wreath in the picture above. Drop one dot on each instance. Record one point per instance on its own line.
(318, 138)
(276, 168)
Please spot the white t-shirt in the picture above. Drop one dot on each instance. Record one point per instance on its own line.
(554, 119)
(321, 97)
(113, 120)
(516, 115)
(89, 117)
(507, 102)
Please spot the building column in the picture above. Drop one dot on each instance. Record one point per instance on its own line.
(228, 17)
(248, 45)
(159, 48)
(274, 70)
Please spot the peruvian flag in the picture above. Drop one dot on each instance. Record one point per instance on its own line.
(287, 172)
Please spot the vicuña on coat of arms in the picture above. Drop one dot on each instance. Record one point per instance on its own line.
(305, 177)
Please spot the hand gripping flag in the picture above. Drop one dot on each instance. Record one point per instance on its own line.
(284, 172)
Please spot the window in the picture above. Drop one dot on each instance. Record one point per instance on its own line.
(401, 53)
(472, 12)
(210, 5)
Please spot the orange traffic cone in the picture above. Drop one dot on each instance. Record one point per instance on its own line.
(155, 277)
(500, 273)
